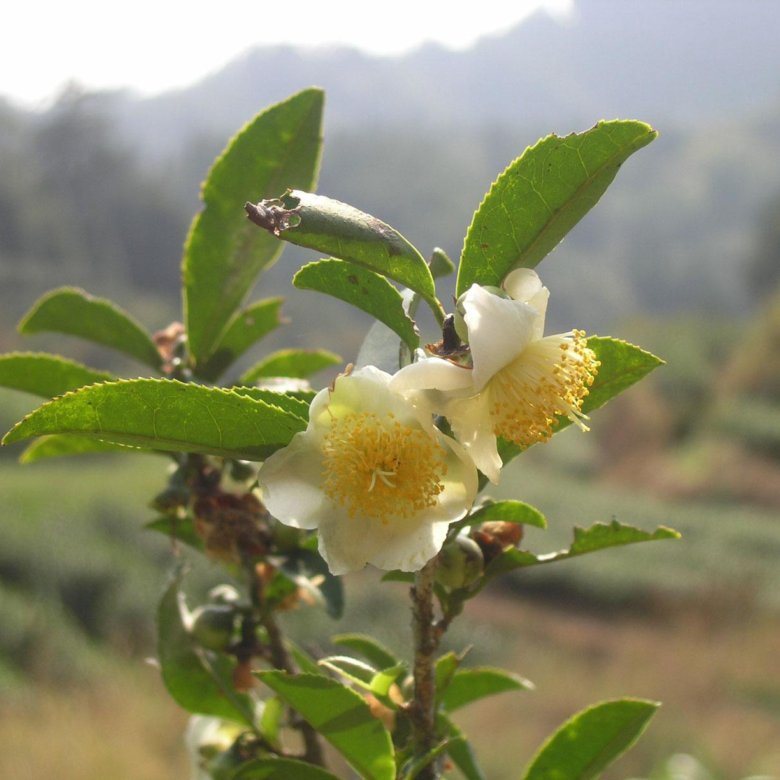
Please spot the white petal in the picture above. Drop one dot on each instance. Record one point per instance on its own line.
(473, 427)
(433, 373)
(499, 330)
(524, 284)
(290, 483)
(410, 549)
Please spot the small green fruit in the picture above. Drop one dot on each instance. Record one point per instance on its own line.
(213, 625)
(461, 563)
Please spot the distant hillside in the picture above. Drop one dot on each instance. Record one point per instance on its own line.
(417, 141)
(668, 62)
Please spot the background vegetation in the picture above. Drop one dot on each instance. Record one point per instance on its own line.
(681, 256)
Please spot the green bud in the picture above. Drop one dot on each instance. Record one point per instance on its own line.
(213, 625)
(460, 563)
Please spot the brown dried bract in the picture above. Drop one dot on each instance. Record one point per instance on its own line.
(271, 215)
(234, 528)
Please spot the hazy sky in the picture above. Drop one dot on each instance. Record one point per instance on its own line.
(153, 46)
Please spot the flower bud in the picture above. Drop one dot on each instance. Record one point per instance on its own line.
(460, 563)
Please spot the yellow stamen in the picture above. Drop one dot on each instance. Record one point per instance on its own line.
(551, 377)
(378, 468)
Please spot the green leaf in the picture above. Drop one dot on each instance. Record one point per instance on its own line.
(371, 649)
(280, 769)
(342, 717)
(541, 196)
(244, 329)
(509, 511)
(467, 685)
(366, 676)
(293, 363)
(198, 680)
(622, 365)
(459, 749)
(224, 253)
(357, 672)
(271, 721)
(56, 446)
(337, 229)
(413, 770)
(587, 743)
(297, 404)
(181, 528)
(303, 660)
(601, 535)
(446, 666)
(45, 375)
(586, 540)
(163, 414)
(76, 313)
(362, 288)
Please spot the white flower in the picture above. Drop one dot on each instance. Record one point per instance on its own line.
(519, 380)
(372, 474)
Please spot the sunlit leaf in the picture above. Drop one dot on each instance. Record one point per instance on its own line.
(590, 741)
(342, 717)
(77, 313)
(371, 649)
(245, 328)
(509, 511)
(539, 198)
(297, 404)
(340, 230)
(293, 363)
(351, 669)
(468, 685)
(362, 288)
(56, 446)
(45, 375)
(166, 415)
(586, 540)
(224, 253)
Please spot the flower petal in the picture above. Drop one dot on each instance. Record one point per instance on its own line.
(524, 284)
(499, 330)
(431, 373)
(295, 479)
(290, 483)
(472, 425)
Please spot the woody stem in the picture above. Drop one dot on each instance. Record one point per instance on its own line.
(422, 709)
